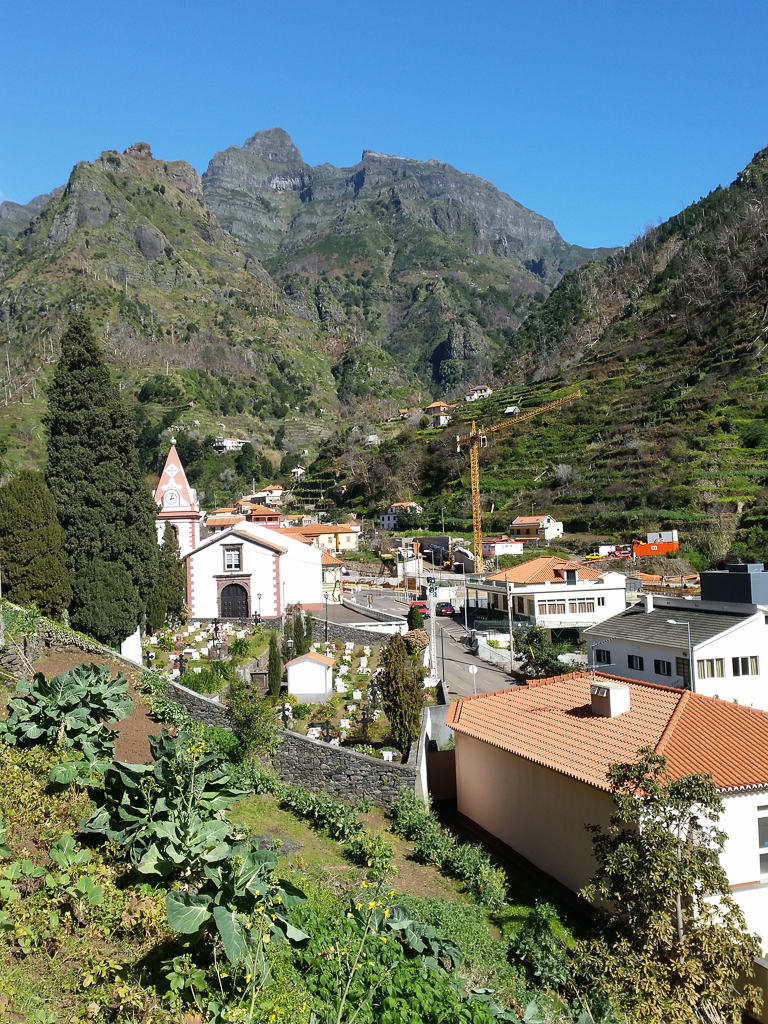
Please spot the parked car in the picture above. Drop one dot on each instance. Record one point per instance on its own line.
(422, 606)
(444, 608)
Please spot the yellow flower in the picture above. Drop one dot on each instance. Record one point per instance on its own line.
(372, 905)
(358, 906)
(363, 885)
(349, 914)
(383, 938)
(386, 912)
(391, 893)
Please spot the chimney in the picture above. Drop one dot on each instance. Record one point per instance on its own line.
(648, 602)
(609, 699)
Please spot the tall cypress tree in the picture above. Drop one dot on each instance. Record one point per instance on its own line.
(103, 503)
(275, 667)
(32, 557)
(172, 572)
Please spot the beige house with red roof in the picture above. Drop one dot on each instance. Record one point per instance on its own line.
(178, 504)
(554, 592)
(543, 528)
(439, 413)
(335, 537)
(531, 765)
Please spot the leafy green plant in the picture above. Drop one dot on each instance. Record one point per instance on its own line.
(167, 814)
(372, 852)
(244, 899)
(70, 709)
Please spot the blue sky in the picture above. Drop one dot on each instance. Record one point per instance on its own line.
(604, 116)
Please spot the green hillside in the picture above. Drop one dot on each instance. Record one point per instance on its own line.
(667, 341)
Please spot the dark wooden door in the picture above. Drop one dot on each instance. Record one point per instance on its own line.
(234, 602)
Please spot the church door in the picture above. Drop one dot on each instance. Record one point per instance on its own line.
(234, 602)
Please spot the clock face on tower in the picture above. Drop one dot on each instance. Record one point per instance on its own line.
(171, 499)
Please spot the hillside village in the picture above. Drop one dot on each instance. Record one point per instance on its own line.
(492, 665)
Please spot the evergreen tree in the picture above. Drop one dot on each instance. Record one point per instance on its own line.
(103, 503)
(275, 669)
(172, 572)
(299, 639)
(402, 693)
(32, 557)
(308, 632)
(104, 601)
(415, 618)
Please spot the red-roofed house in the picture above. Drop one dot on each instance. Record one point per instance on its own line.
(332, 582)
(439, 413)
(554, 593)
(178, 504)
(544, 528)
(531, 766)
(310, 677)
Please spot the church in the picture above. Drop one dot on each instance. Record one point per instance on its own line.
(240, 572)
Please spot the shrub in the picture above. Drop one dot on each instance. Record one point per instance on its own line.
(70, 709)
(372, 851)
(436, 845)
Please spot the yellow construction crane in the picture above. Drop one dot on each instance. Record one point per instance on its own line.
(477, 439)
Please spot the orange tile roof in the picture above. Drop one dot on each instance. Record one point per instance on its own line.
(438, 405)
(261, 510)
(529, 520)
(316, 529)
(313, 656)
(223, 520)
(329, 559)
(224, 510)
(549, 722)
(545, 569)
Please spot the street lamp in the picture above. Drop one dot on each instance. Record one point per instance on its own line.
(472, 669)
(325, 597)
(258, 598)
(691, 671)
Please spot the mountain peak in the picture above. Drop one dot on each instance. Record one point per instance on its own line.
(274, 145)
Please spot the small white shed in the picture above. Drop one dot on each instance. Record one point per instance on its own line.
(310, 677)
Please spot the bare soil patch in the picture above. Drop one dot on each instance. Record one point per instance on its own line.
(132, 743)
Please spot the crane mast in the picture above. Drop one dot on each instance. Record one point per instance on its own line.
(477, 439)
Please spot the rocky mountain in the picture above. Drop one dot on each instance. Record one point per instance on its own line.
(434, 266)
(668, 342)
(14, 217)
(271, 295)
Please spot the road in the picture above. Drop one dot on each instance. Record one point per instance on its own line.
(453, 658)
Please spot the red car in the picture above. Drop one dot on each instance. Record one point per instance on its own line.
(444, 608)
(422, 606)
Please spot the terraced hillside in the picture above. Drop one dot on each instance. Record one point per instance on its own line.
(668, 341)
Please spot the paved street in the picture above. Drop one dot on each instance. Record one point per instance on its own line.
(453, 658)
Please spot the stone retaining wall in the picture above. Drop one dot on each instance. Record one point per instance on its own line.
(205, 709)
(345, 773)
(346, 631)
(372, 613)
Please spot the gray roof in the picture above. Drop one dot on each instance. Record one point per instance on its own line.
(654, 627)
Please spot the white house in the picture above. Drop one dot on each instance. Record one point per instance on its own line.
(178, 504)
(536, 527)
(249, 569)
(229, 444)
(554, 593)
(477, 393)
(388, 520)
(297, 473)
(531, 766)
(372, 441)
(727, 639)
(439, 413)
(272, 495)
(310, 677)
